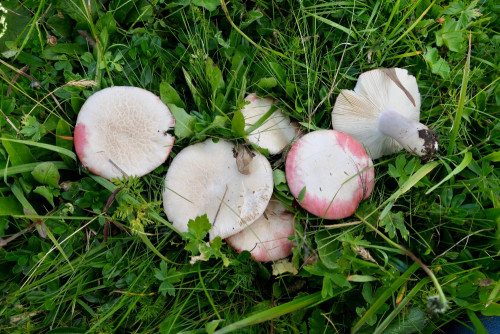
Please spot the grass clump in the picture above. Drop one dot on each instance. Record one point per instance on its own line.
(82, 254)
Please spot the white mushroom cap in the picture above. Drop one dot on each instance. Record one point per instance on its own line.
(358, 113)
(123, 131)
(204, 178)
(267, 238)
(335, 171)
(276, 132)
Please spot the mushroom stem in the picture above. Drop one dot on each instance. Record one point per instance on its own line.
(415, 137)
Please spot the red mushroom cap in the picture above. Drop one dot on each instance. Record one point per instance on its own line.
(335, 171)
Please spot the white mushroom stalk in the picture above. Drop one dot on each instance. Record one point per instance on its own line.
(383, 113)
(122, 131)
(205, 178)
(276, 132)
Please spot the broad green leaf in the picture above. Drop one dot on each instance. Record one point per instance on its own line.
(214, 76)
(47, 173)
(167, 287)
(197, 231)
(283, 267)
(394, 222)
(104, 38)
(253, 15)
(10, 206)
(495, 156)
(438, 65)
(450, 35)
(107, 21)
(279, 178)
(58, 51)
(170, 96)
(238, 124)
(328, 249)
(302, 194)
(339, 280)
(279, 72)
(32, 128)
(184, 123)
(267, 83)
(18, 152)
(45, 193)
(493, 309)
(210, 5)
(361, 278)
(199, 226)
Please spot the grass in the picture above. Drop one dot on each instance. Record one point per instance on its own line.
(78, 256)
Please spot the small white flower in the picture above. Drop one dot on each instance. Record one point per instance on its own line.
(435, 305)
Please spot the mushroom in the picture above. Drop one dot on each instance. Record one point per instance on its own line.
(383, 112)
(122, 131)
(329, 173)
(205, 178)
(276, 132)
(267, 238)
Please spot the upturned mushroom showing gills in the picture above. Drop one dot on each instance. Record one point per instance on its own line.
(122, 131)
(329, 173)
(207, 178)
(275, 132)
(383, 113)
(267, 238)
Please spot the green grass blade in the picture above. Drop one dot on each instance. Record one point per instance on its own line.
(49, 147)
(417, 21)
(9, 171)
(334, 25)
(408, 298)
(479, 327)
(384, 296)
(32, 26)
(58, 246)
(395, 8)
(261, 120)
(413, 180)
(28, 209)
(465, 162)
(461, 102)
(277, 311)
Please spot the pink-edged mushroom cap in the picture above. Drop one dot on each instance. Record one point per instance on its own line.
(267, 238)
(204, 178)
(383, 113)
(276, 132)
(333, 169)
(122, 131)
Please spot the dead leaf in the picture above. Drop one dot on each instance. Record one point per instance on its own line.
(391, 73)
